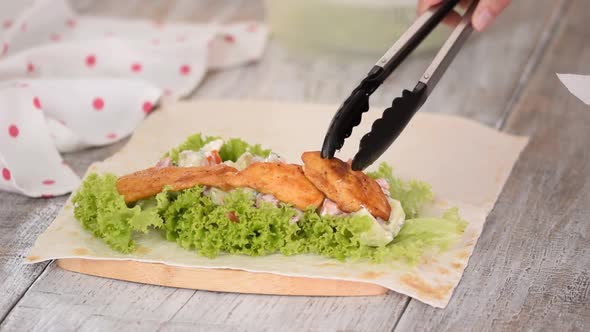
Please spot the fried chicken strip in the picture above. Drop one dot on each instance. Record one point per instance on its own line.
(350, 190)
(151, 181)
(285, 181)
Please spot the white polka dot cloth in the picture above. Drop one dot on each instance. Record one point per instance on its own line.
(69, 82)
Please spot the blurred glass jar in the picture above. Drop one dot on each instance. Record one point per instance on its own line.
(345, 27)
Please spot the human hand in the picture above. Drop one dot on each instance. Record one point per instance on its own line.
(484, 15)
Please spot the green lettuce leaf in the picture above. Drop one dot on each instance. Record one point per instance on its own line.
(193, 143)
(423, 234)
(412, 194)
(238, 227)
(102, 211)
(231, 149)
(194, 222)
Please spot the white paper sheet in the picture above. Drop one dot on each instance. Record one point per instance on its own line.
(578, 85)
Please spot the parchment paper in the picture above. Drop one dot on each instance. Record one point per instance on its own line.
(466, 163)
(578, 85)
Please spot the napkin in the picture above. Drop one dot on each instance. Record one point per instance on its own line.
(578, 85)
(69, 82)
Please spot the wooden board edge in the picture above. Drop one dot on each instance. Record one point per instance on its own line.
(219, 280)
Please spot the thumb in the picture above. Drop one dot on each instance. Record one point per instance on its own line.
(487, 11)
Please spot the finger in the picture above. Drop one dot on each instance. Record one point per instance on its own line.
(487, 11)
(464, 3)
(452, 19)
(425, 4)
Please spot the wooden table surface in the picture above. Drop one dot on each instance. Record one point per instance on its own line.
(531, 267)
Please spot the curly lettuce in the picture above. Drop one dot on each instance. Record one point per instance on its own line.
(103, 212)
(420, 235)
(239, 227)
(193, 143)
(411, 194)
(231, 149)
(195, 222)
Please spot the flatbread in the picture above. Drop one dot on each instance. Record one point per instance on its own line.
(466, 163)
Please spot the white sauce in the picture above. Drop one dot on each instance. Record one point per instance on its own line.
(381, 232)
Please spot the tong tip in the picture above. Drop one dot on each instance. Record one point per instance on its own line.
(387, 128)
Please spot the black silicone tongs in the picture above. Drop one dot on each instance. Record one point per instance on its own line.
(386, 129)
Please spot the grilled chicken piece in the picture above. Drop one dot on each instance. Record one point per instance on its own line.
(350, 190)
(285, 181)
(151, 181)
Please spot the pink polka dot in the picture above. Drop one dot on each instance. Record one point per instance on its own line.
(181, 39)
(23, 27)
(37, 103)
(98, 104)
(48, 182)
(55, 37)
(185, 69)
(111, 136)
(229, 38)
(147, 107)
(252, 27)
(90, 60)
(30, 67)
(6, 174)
(7, 24)
(158, 24)
(71, 23)
(155, 41)
(4, 48)
(109, 34)
(136, 67)
(13, 131)
(47, 196)
(167, 92)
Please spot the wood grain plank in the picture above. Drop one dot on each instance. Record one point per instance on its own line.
(66, 301)
(61, 300)
(531, 268)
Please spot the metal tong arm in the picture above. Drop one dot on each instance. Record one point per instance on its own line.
(415, 34)
(449, 50)
(395, 118)
(350, 112)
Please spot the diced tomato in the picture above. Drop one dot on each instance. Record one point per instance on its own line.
(216, 157)
(213, 158)
(233, 217)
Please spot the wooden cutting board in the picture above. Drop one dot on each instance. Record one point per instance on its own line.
(220, 280)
